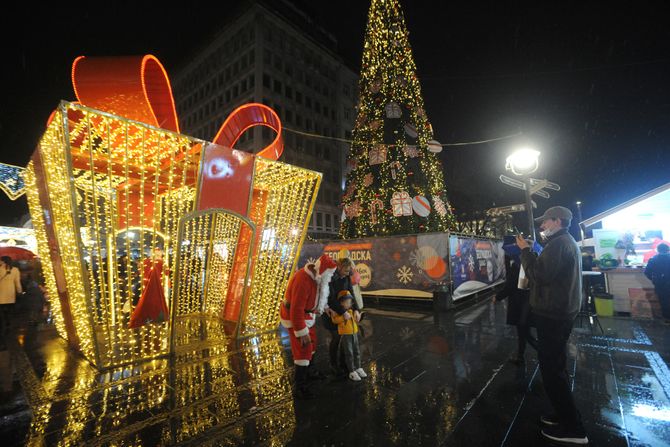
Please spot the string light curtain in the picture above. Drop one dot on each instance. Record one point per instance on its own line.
(108, 196)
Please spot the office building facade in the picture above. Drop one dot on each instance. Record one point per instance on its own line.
(275, 55)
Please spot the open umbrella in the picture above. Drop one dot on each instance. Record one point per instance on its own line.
(17, 253)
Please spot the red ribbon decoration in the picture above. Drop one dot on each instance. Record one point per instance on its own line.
(138, 88)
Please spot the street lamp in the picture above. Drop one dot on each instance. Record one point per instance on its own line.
(522, 163)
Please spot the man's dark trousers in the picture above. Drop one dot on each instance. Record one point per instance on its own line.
(552, 338)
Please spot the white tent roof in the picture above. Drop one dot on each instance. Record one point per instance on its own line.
(657, 199)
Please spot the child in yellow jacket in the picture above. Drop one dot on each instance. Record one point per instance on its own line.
(348, 331)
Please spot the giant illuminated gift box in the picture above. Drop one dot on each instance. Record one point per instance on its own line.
(113, 180)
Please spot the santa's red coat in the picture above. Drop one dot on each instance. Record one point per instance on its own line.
(301, 297)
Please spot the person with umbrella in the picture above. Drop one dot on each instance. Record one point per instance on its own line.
(10, 287)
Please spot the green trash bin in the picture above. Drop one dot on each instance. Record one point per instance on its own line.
(604, 304)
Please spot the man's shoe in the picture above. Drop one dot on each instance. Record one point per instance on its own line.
(561, 434)
(550, 420)
(354, 376)
(361, 373)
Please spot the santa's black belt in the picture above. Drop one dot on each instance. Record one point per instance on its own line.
(307, 311)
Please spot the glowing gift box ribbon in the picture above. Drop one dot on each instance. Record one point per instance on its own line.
(106, 145)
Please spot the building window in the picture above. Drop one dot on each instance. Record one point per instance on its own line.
(327, 221)
(308, 102)
(298, 97)
(266, 80)
(277, 86)
(251, 81)
(319, 220)
(288, 91)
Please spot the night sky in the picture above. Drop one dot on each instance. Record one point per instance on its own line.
(586, 82)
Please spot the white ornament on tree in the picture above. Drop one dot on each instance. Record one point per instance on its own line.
(440, 207)
(421, 206)
(393, 110)
(411, 151)
(401, 203)
(434, 146)
(377, 155)
(410, 130)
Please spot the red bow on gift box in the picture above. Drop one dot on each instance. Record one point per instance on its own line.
(138, 88)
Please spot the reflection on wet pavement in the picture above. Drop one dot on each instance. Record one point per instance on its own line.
(437, 379)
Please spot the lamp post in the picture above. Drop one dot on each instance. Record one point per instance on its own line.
(522, 163)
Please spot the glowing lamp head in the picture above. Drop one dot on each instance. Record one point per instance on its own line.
(522, 162)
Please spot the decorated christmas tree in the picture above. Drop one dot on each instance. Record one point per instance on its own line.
(396, 185)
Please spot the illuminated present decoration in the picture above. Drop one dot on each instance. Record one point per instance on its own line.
(401, 203)
(112, 179)
(11, 180)
(377, 155)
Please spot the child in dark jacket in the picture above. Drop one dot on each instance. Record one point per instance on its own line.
(348, 331)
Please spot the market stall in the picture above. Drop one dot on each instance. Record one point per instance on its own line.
(624, 239)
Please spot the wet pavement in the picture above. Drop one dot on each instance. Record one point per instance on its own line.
(434, 379)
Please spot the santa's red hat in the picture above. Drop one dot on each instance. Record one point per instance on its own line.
(325, 268)
(324, 263)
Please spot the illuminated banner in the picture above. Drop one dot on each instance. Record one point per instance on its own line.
(415, 265)
(475, 264)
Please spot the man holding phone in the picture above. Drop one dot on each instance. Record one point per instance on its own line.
(555, 298)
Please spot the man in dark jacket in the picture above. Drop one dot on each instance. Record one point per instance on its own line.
(555, 298)
(658, 271)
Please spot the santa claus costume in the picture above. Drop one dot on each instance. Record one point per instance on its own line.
(306, 296)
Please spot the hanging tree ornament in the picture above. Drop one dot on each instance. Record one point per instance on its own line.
(395, 165)
(402, 81)
(376, 85)
(353, 209)
(410, 130)
(393, 110)
(377, 155)
(401, 203)
(368, 179)
(440, 207)
(376, 124)
(411, 151)
(434, 146)
(421, 206)
(375, 205)
(421, 112)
